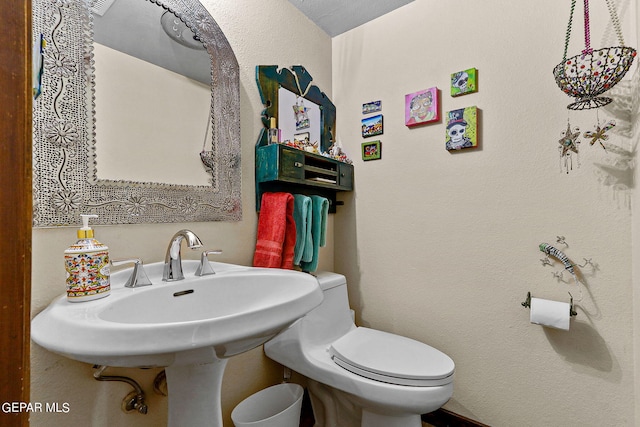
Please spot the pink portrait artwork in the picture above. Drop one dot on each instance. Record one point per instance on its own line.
(421, 107)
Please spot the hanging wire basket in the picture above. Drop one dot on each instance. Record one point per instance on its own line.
(587, 76)
(593, 72)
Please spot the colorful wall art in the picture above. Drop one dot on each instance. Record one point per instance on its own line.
(463, 82)
(371, 150)
(372, 107)
(372, 126)
(421, 107)
(301, 114)
(462, 128)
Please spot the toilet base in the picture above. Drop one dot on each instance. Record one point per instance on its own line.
(371, 419)
(333, 408)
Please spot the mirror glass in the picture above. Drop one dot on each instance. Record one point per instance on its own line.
(92, 151)
(153, 89)
(298, 118)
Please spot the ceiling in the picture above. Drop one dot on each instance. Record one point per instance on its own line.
(337, 16)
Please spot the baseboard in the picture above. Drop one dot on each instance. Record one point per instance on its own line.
(444, 418)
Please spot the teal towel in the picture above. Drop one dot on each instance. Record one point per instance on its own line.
(320, 210)
(303, 250)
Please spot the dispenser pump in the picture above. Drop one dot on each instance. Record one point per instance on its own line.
(86, 232)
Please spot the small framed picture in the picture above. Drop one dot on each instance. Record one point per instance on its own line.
(371, 150)
(301, 138)
(462, 128)
(464, 82)
(372, 126)
(371, 107)
(421, 107)
(301, 114)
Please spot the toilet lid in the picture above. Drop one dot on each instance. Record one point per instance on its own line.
(391, 358)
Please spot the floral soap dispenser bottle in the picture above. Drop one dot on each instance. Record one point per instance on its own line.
(87, 266)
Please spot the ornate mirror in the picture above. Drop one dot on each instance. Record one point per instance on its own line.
(194, 175)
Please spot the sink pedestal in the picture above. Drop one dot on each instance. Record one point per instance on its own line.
(194, 394)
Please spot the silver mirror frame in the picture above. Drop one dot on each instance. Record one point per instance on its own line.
(64, 167)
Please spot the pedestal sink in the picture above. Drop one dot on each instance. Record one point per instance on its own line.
(190, 327)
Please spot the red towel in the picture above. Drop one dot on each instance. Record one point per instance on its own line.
(276, 238)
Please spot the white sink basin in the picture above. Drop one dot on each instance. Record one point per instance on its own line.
(224, 314)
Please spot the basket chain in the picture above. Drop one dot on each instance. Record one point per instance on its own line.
(568, 34)
(615, 21)
(587, 34)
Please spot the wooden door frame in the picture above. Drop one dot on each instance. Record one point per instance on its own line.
(16, 208)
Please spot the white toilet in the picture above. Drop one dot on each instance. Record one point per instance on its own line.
(360, 376)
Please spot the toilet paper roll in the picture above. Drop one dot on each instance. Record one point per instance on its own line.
(552, 314)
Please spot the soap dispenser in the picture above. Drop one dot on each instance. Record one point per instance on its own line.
(87, 266)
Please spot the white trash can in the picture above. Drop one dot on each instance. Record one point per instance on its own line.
(275, 406)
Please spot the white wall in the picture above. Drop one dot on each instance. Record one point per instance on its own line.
(443, 247)
(269, 33)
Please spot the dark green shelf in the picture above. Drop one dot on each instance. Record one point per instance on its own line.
(283, 168)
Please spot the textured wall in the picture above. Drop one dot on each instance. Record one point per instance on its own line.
(260, 33)
(438, 246)
(443, 247)
(636, 275)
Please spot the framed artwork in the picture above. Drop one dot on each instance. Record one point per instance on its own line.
(371, 150)
(372, 126)
(301, 114)
(371, 107)
(464, 82)
(421, 107)
(462, 128)
(302, 138)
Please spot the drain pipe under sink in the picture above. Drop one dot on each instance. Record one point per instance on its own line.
(133, 401)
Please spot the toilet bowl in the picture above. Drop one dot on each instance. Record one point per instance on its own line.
(360, 376)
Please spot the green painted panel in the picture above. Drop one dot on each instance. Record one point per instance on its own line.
(345, 176)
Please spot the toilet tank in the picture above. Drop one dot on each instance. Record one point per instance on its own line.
(332, 318)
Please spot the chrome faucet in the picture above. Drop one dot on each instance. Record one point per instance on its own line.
(173, 260)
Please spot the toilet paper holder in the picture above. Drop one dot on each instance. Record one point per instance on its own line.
(527, 303)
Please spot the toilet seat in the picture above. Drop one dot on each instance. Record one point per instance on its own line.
(391, 358)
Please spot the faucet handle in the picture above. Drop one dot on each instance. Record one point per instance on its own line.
(138, 276)
(205, 268)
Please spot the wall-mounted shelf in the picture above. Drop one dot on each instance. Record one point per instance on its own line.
(282, 168)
